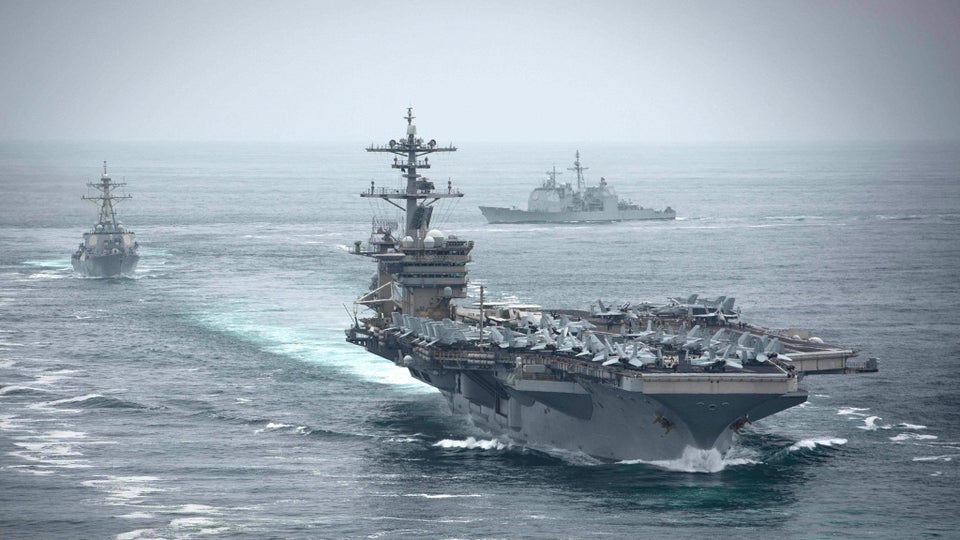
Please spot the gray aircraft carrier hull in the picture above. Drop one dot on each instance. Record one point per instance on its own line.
(110, 265)
(515, 215)
(600, 420)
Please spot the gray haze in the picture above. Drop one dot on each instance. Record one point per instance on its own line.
(543, 71)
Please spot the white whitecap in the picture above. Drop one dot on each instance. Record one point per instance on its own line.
(136, 515)
(133, 535)
(905, 425)
(947, 457)
(852, 411)
(697, 460)
(810, 444)
(191, 523)
(472, 443)
(870, 424)
(441, 495)
(912, 437)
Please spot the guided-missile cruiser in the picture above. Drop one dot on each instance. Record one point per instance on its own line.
(634, 382)
(559, 202)
(110, 249)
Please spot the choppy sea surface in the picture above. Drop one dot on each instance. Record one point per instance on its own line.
(213, 394)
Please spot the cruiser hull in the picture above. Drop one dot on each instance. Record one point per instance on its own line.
(515, 215)
(111, 265)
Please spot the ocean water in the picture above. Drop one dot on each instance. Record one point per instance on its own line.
(213, 394)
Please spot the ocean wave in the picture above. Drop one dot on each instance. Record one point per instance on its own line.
(471, 443)
(14, 389)
(125, 489)
(870, 424)
(90, 401)
(852, 411)
(442, 495)
(912, 437)
(812, 444)
(947, 457)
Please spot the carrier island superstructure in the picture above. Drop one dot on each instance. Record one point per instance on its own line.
(633, 382)
(110, 249)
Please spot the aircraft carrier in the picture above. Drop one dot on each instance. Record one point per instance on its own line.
(109, 250)
(555, 202)
(635, 382)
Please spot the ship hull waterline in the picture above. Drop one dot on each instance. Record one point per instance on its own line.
(110, 265)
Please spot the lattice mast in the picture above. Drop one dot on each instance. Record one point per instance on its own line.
(105, 200)
(421, 272)
(418, 209)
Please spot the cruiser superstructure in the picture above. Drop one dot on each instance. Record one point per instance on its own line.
(555, 202)
(638, 381)
(110, 249)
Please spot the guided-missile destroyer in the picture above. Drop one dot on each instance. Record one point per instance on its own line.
(556, 202)
(108, 250)
(634, 382)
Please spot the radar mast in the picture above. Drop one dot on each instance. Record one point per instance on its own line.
(423, 271)
(410, 148)
(579, 169)
(108, 217)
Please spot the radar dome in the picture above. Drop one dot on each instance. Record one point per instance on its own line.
(428, 242)
(407, 241)
(435, 233)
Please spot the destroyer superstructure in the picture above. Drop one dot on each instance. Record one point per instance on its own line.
(556, 202)
(110, 249)
(633, 382)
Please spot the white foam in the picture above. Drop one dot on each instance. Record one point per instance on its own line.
(306, 347)
(810, 444)
(133, 535)
(48, 448)
(697, 460)
(136, 515)
(4, 364)
(191, 523)
(124, 489)
(197, 509)
(912, 437)
(905, 425)
(14, 388)
(29, 469)
(852, 411)
(870, 424)
(948, 457)
(441, 495)
(472, 443)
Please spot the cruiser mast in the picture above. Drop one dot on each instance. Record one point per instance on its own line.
(108, 217)
(579, 169)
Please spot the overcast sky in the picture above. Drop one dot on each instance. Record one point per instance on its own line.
(480, 70)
